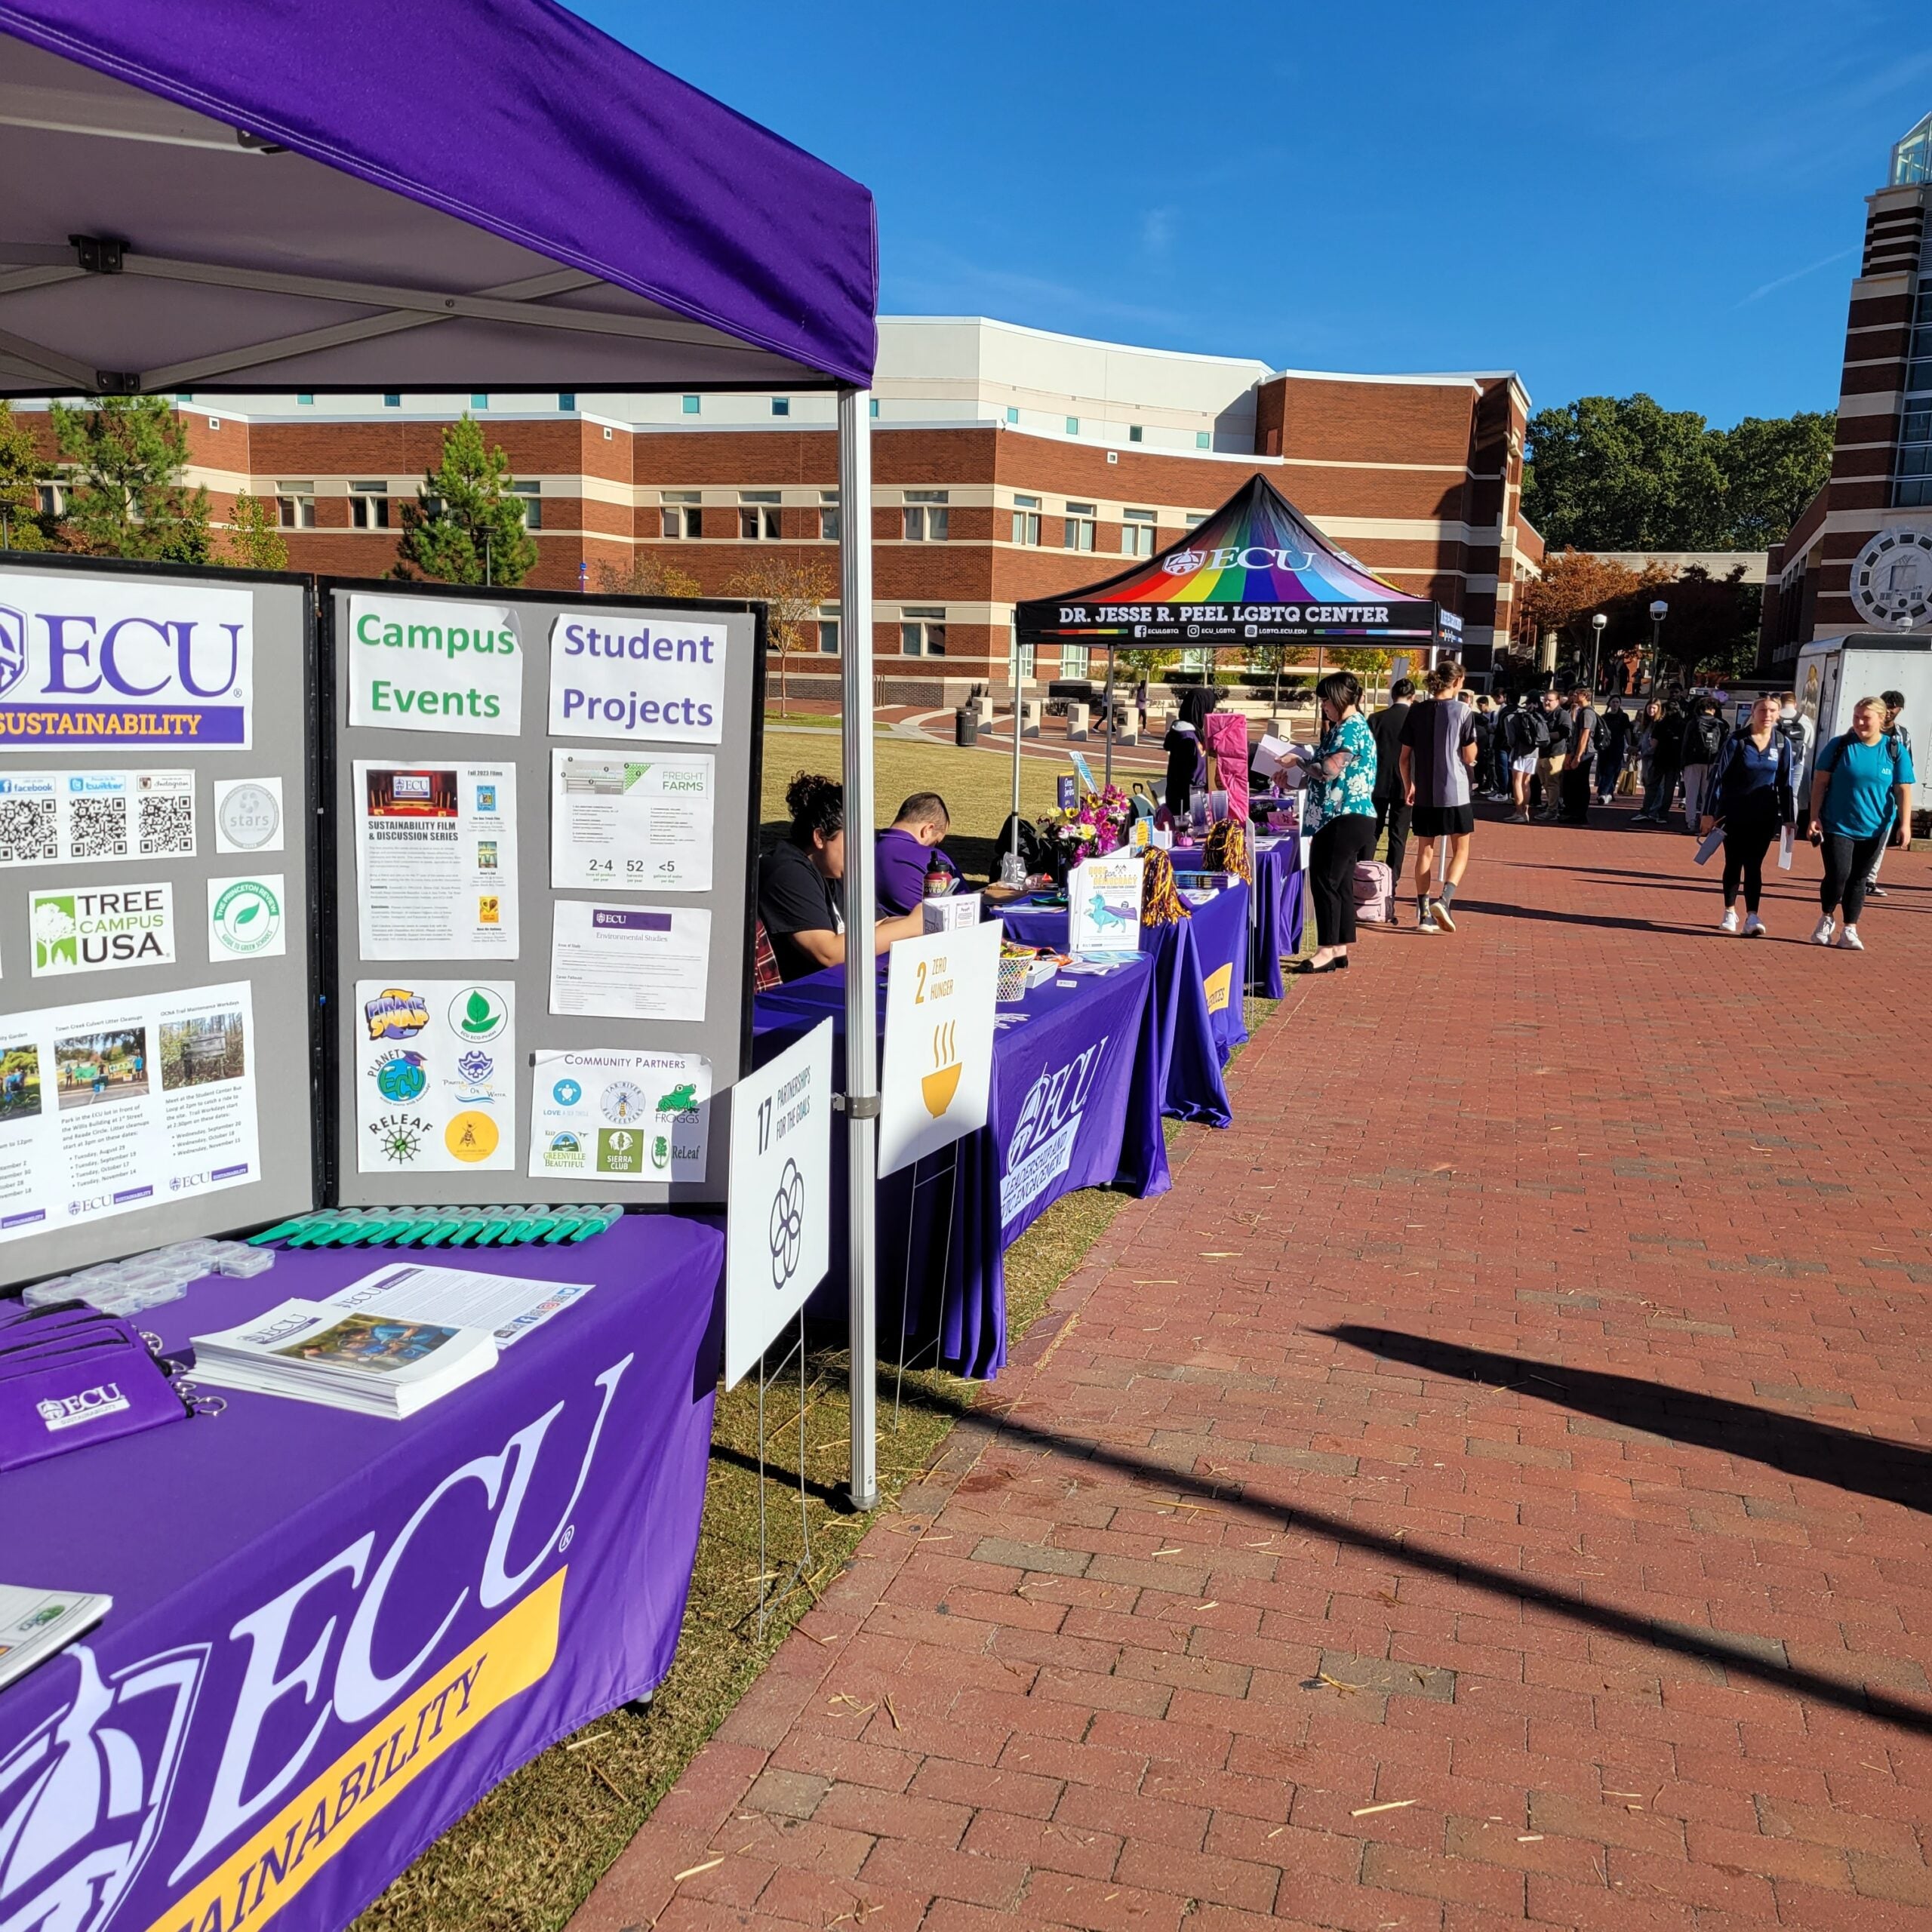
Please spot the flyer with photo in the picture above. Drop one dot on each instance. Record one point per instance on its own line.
(121, 1104)
(435, 1076)
(72, 818)
(435, 860)
(629, 962)
(640, 823)
(616, 1116)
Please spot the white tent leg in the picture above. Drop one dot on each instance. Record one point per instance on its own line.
(855, 625)
(1015, 841)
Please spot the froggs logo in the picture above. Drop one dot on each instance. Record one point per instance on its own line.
(82, 1798)
(13, 646)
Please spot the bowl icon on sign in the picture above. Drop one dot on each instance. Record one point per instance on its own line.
(938, 1088)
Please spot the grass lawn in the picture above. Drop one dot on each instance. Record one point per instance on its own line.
(529, 1854)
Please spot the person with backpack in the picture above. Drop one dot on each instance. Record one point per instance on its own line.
(1667, 729)
(1579, 772)
(1894, 704)
(1528, 737)
(1551, 766)
(1704, 746)
(1437, 755)
(1750, 796)
(1612, 741)
(1861, 781)
(1343, 773)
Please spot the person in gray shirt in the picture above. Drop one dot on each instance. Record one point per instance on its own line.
(1439, 753)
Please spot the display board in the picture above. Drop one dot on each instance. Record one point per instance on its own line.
(542, 856)
(159, 1067)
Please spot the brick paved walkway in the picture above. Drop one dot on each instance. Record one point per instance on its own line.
(1491, 1487)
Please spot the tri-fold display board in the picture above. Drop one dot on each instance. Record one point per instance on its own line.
(545, 815)
(362, 892)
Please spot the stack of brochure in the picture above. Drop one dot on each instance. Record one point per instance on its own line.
(34, 1624)
(376, 1364)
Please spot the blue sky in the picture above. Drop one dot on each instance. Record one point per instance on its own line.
(1669, 197)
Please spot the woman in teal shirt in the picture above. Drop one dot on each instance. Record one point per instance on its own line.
(1860, 779)
(1343, 776)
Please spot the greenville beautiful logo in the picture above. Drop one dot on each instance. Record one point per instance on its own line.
(565, 1150)
(248, 916)
(395, 1014)
(477, 1013)
(400, 1077)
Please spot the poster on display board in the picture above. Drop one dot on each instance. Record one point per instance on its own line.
(435, 853)
(639, 823)
(435, 1077)
(1103, 904)
(91, 818)
(634, 1116)
(97, 662)
(652, 676)
(116, 1104)
(424, 664)
(935, 1076)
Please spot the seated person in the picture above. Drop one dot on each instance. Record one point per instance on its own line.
(907, 849)
(799, 899)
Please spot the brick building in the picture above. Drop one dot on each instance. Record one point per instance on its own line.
(1860, 556)
(1008, 463)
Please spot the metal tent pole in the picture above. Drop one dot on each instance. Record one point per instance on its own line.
(1016, 649)
(855, 612)
(1109, 709)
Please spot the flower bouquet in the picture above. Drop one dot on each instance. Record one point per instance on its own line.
(1098, 824)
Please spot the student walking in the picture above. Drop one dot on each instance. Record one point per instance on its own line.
(1894, 704)
(1391, 807)
(1439, 753)
(1751, 797)
(1666, 761)
(1861, 784)
(1703, 745)
(1614, 731)
(1344, 772)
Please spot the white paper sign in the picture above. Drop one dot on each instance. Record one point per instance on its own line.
(654, 675)
(939, 995)
(629, 962)
(420, 664)
(79, 930)
(248, 917)
(1103, 905)
(124, 1104)
(642, 823)
(435, 1085)
(247, 815)
(73, 817)
(435, 861)
(619, 1115)
(108, 663)
(778, 1242)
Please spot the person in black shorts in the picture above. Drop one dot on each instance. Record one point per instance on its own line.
(1439, 753)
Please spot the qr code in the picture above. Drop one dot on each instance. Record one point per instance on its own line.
(167, 827)
(27, 831)
(97, 828)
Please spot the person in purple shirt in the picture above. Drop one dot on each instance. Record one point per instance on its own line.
(908, 850)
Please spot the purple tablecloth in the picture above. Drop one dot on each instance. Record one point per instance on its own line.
(1075, 1103)
(1190, 1043)
(1278, 931)
(331, 1635)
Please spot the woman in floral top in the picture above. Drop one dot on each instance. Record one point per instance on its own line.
(1345, 773)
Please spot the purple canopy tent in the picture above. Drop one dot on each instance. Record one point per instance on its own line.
(248, 194)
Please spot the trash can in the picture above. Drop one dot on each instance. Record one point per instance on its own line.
(965, 726)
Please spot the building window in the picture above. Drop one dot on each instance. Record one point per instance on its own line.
(1023, 657)
(1073, 426)
(392, 399)
(1082, 528)
(478, 400)
(299, 397)
(781, 405)
(1075, 660)
(692, 404)
(1134, 432)
(296, 505)
(1914, 486)
(530, 495)
(757, 516)
(1202, 440)
(682, 518)
(828, 516)
(828, 630)
(925, 516)
(566, 400)
(1136, 533)
(1200, 661)
(369, 505)
(875, 408)
(1026, 520)
(1012, 414)
(922, 633)
(53, 499)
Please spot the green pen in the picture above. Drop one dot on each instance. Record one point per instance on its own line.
(280, 1232)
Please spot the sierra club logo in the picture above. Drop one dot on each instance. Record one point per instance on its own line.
(248, 916)
(477, 1013)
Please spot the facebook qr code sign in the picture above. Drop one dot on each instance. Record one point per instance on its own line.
(779, 1233)
(70, 817)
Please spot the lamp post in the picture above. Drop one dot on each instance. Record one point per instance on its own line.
(1659, 610)
(1597, 623)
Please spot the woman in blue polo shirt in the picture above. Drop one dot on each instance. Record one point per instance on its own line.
(1861, 779)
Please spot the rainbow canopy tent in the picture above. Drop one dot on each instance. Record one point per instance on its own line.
(1255, 573)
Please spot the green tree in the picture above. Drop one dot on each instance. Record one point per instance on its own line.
(22, 526)
(1774, 466)
(465, 527)
(125, 497)
(255, 541)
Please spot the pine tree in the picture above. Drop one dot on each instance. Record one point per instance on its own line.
(126, 497)
(255, 541)
(22, 527)
(465, 527)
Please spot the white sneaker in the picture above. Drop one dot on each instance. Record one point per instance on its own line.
(1729, 924)
(1754, 928)
(1822, 936)
(1849, 940)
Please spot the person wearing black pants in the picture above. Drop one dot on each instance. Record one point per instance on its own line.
(1392, 810)
(1861, 788)
(1751, 797)
(1344, 770)
(1579, 774)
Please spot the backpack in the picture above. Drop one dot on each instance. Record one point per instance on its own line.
(1035, 852)
(1535, 730)
(1602, 738)
(1373, 885)
(1709, 733)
